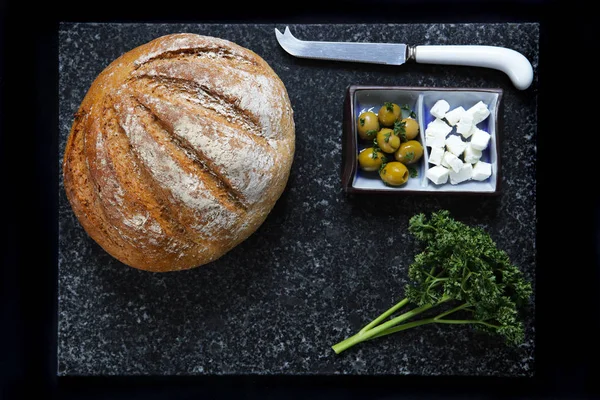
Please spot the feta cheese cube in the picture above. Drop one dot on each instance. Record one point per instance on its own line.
(438, 126)
(436, 155)
(440, 108)
(469, 133)
(481, 171)
(479, 112)
(480, 139)
(434, 141)
(437, 174)
(463, 174)
(465, 124)
(454, 115)
(455, 145)
(471, 155)
(436, 133)
(451, 161)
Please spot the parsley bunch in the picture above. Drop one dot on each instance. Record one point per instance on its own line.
(460, 274)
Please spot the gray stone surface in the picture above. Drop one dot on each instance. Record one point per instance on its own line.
(323, 264)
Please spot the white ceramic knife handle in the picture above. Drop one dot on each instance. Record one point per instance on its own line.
(514, 64)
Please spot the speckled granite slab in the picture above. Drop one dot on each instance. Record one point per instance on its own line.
(323, 264)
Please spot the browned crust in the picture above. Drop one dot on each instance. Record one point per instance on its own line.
(113, 192)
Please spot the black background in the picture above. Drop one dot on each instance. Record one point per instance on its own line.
(567, 297)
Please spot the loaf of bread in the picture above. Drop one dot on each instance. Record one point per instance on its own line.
(179, 151)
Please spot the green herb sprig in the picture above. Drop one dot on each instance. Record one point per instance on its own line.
(400, 130)
(412, 171)
(411, 113)
(462, 276)
(386, 137)
(371, 133)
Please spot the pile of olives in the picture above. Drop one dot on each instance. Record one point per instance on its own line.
(390, 134)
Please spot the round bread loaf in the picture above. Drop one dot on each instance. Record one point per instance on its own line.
(179, 151)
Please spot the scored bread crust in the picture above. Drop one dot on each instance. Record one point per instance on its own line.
(179, 151)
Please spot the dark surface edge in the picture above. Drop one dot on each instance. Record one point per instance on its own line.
(28, 292)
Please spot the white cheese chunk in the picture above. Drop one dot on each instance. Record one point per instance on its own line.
(463, 174)
(469, 133)
(465, 125)
(435, 141)
(436, 132)
(471, 155)
(455, 145)
(451, 161)
(479, 112)
(480, 139)
(436, 155)
(481, 171)
(437, 174)
(440, 108)
(454, 115)
(438, 126)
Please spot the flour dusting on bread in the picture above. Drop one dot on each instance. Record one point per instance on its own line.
(205, 130)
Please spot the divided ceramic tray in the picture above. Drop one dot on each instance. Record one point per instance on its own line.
(420, 100)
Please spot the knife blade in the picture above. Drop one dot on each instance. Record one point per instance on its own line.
(512, 63)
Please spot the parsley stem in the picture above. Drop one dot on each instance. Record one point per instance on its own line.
(426, 321)
(437, 319)
(455, 309)
(404, 327)
(375, 330)
(466, 321)
(383, 316)
(366, 335)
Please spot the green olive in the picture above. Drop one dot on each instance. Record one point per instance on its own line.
(411, 128)
(387, 140)
(389, 113)
(409, 152)
(394, 173)
(368, 125)
(370, 159)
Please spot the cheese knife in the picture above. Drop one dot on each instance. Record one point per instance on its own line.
(511, 62)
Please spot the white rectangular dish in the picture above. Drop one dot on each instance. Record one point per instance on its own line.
(421, 100)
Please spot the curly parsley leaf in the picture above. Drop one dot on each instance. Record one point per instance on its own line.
(371, 133)
(400, 130)
(411, 114)
(386, 136)
(412, 171)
